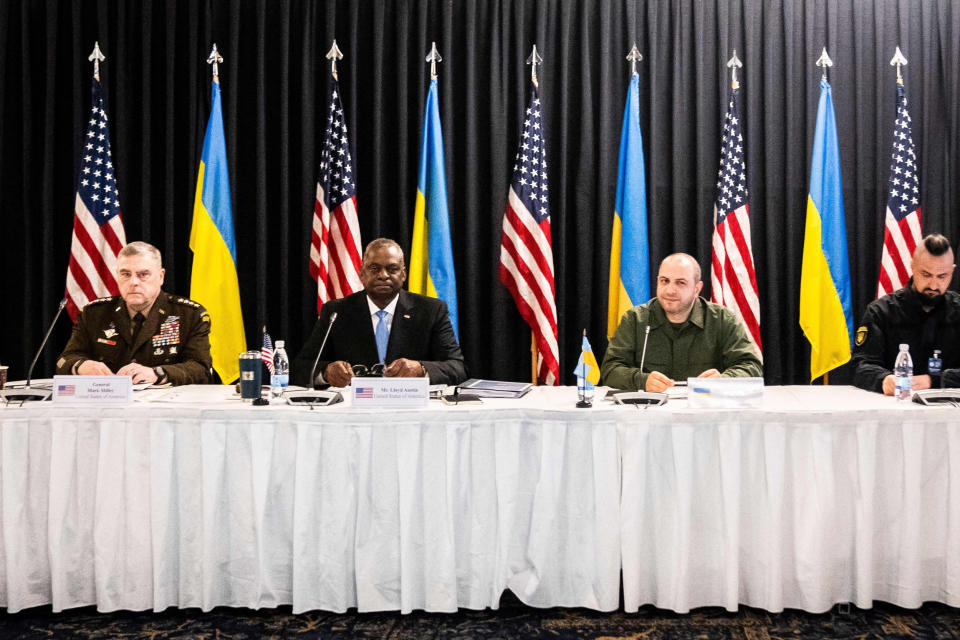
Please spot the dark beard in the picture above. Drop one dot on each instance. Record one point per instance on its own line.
(927, 299)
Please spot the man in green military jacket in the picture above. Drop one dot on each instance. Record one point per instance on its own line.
(689, 337)
(144, 333)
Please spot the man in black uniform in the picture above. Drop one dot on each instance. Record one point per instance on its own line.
(144, 333)
(923, 315)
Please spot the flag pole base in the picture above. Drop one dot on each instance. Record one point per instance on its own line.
(584, 404)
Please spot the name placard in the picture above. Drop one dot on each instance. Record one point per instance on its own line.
(98, 391)
(725, 393)
(376, 393)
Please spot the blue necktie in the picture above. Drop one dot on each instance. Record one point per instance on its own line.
(382, 334)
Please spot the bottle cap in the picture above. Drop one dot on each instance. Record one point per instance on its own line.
(903, 347)
(279, 344)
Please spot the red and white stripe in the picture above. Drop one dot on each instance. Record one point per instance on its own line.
(335, 255)
(526, 268)
(900, 239)
(91, 272)
(732, 276)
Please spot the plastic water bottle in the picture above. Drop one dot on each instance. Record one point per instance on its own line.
(903, 373)
(281, 371)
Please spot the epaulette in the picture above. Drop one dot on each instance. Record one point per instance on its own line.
(187, 302)
(99, 301)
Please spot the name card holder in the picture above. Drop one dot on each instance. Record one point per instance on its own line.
(92, 391)
(393, 393)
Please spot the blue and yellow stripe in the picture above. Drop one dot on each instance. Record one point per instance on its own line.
(826, 308)
(431, 253)
(629, 252)
(213, 279)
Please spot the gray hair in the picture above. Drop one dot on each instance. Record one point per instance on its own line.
(373, 245)
(140, 248)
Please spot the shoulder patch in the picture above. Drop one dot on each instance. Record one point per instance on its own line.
(861, 335)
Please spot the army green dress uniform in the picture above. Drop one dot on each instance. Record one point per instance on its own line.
(711, 338)
(174, 339)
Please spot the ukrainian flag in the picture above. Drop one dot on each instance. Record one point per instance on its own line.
(629, 254)
(587, 368)
(826, 311)
(213, 280)
(431, 254)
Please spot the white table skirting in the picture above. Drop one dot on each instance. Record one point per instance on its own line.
(822, 496)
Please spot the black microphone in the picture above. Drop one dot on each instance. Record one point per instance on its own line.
(27, 394)
(643, 354)
(311, 397)
(313, 369)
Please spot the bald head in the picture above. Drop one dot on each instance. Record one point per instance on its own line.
(683, 260)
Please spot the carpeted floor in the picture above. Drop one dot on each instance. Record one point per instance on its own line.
(513, 620)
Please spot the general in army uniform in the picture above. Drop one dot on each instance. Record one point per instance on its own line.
(144, 332)
(689, 337)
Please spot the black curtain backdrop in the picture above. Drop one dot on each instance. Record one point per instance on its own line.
(274, 81)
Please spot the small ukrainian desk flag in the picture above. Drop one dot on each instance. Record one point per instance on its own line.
(826, 309)
(587, 371)
(213, 279)
(431, 254)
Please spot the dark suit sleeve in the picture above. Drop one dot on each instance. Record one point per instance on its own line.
(445, 365)
(868, 367)
(78, 348)
(303, 363)
(195, 358)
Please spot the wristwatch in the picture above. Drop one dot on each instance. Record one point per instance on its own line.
(161, 375)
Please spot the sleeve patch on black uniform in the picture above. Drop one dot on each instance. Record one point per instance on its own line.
(861, 335)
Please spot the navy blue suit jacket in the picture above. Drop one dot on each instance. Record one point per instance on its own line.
(420, 330)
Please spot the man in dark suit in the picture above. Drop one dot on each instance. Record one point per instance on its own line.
(408, 334)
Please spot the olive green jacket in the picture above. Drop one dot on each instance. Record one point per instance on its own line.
(713, 338)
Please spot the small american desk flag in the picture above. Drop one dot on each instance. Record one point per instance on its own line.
(526, 250)
(266, 351)
(335, 245)
(733, 279)
(902, 226)
(98, 234)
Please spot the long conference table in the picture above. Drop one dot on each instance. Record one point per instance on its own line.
(189, 498)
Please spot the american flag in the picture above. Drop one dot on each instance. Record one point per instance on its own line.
(335, 246)
(364, 392)
(902, 227)
(98, 234)
(526, 251)
(732, 277)
(66, 389)
(266, 351)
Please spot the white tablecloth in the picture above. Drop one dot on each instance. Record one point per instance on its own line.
(206, 502)
(823, 495)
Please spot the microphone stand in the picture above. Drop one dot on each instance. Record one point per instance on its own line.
(26, 394)
(311, 396)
